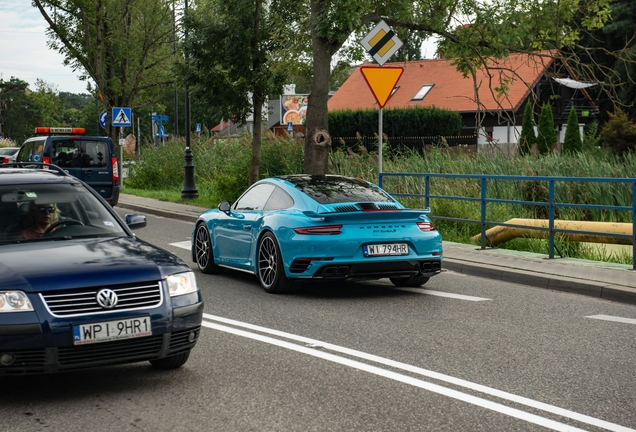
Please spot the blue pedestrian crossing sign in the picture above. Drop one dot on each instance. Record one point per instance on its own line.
(121, 117)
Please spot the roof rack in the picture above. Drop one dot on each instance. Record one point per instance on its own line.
(40, 165)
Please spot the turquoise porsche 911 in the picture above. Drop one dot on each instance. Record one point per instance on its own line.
(301, 228)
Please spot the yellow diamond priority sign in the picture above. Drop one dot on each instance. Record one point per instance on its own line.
(381, 42)
(381, 81)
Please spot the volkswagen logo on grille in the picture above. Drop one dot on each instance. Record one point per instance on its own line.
(107, 298)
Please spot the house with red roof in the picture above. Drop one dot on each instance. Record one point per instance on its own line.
(526, 79)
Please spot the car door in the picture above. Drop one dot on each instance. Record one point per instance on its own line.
(236, 233)
(95, 165)
(31, 151)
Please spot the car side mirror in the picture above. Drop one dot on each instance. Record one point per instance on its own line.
(135, 221)
(225, 207)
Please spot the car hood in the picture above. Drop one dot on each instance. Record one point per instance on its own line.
(53, 265)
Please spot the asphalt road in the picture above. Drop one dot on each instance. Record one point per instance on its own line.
(461, 354)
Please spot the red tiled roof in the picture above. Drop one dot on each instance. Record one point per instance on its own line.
(217, 128)
(451, 90)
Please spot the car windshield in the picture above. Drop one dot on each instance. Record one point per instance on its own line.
(41, 212)
(335, 189)
(8, 151)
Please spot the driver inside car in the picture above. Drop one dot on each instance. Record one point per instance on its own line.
(38, 219)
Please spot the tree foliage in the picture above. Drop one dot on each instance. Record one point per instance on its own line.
(572, 142)
(619, 133)
(228, 49)
(126, 47)
(527, 137)
(546, 135)
(470, 32)
(16, 109)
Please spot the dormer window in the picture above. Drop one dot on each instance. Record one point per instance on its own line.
(422, 93)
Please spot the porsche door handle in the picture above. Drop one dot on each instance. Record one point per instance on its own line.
(247, 227)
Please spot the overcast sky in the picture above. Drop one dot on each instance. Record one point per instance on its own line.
(24, 53)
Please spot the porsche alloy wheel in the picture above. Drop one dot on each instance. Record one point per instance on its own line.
(203, 251)
(271, 273)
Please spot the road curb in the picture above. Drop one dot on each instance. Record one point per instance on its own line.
(541, 280)
(158, 212)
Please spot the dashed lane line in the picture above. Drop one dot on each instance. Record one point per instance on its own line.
(443, 294)
(613, 318)
(183, 245)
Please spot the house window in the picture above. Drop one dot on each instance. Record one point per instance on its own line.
(394, 90)
(422, 93)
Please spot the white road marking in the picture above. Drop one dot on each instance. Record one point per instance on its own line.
(613, 318)
(183, 245)
(443, 294)
(314, 343)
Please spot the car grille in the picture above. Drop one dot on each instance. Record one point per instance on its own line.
(84, 301)
(98, 354)
(387, 206)
(110, 352)
(30, 361)
(346, 208)
(299, 265)
(365, 206)
(180, 341)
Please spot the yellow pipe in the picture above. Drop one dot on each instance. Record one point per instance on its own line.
(501, 234)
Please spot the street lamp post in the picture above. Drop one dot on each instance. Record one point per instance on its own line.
(189, 190)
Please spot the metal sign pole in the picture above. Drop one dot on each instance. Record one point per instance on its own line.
(380, 141)
(121, 155)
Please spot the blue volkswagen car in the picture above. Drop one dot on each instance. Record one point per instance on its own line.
(78, 289)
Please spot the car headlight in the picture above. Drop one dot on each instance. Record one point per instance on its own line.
(181, 283)
(14, 301)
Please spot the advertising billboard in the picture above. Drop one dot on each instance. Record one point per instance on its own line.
(293, 108)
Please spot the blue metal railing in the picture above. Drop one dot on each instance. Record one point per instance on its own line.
(551, 203)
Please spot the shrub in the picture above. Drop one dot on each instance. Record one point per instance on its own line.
(572, 142)
(527, 137)
(417, 121)
(619, 133)
(547, 134)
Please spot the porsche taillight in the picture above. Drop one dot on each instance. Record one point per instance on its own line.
(319, 230)
(425, 226)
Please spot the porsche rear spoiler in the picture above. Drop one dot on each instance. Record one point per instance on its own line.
(371, 215)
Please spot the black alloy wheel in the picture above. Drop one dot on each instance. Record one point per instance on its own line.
(203, 251)
(271, 273)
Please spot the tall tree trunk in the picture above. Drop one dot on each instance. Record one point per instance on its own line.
(318, 140)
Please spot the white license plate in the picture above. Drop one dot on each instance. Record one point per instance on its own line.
(386, 249)
(112, 330)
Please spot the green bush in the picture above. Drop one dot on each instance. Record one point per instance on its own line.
(416, 121)
(572, 142)
(619, 133)
(546, 136)
(527, 137)
(221, 165)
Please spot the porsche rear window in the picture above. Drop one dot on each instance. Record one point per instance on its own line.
(335, 189)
